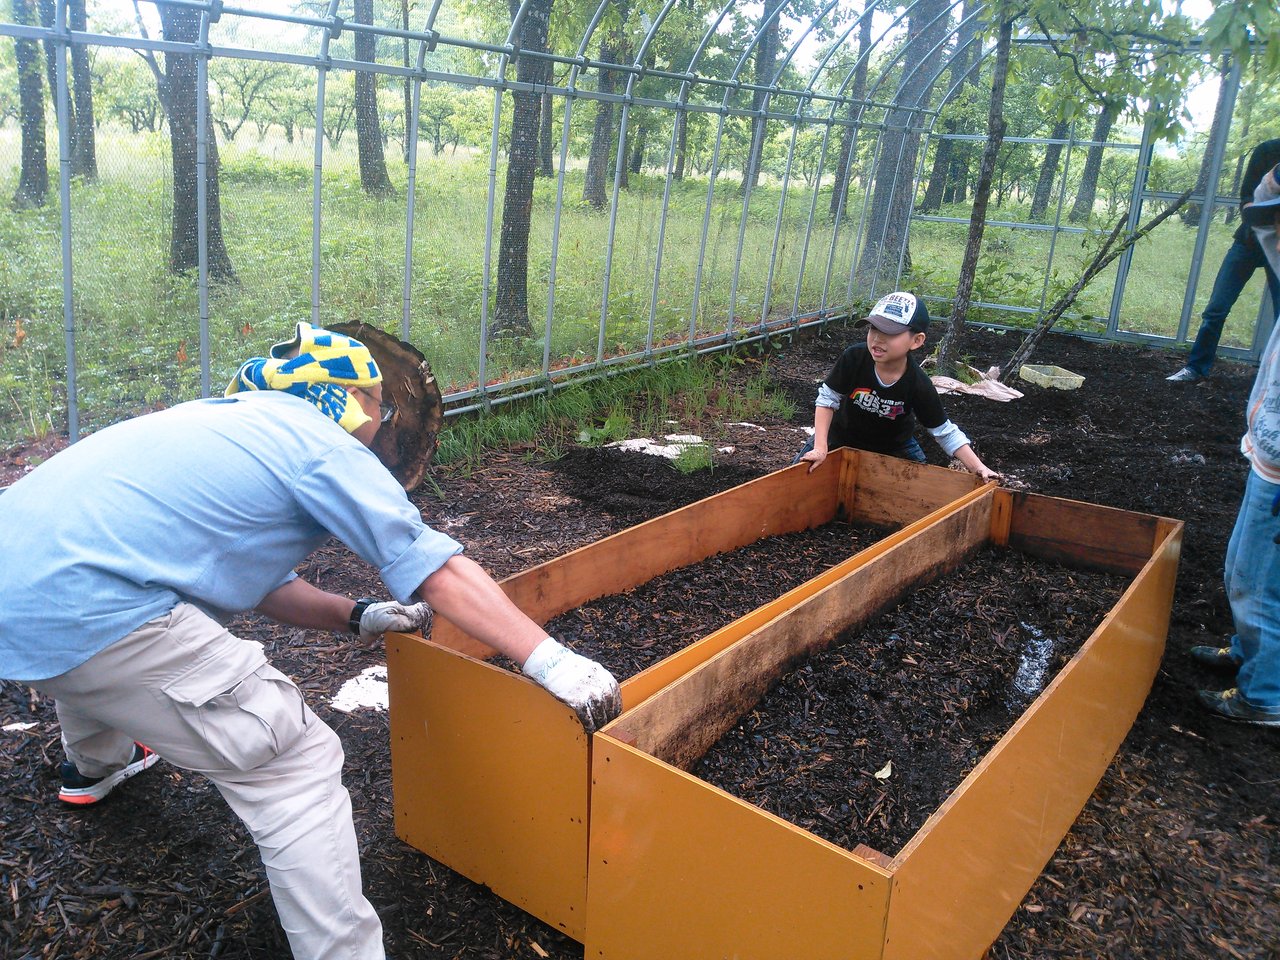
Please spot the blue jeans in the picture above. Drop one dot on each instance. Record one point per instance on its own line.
(1253, 587)
(911, 450)
(1237, 267)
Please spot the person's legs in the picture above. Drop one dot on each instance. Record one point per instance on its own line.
(1233, 551)
(207, 701)
(97, 749)
(808, 445)
(1253, 587)
(1237, 267)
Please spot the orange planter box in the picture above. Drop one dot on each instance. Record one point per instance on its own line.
(492, 777)
(679, 868)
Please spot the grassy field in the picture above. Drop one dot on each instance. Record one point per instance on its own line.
(137, 330)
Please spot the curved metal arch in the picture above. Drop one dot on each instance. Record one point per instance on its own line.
(912, 110)
(868, 101)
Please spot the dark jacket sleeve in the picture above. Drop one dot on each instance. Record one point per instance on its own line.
(1264, 156)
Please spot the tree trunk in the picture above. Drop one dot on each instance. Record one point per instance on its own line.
(373, 165)
(178, 93)
(1049, 171)
(944, 152)
(1190, 214)
(766, 60)
(957, 189)
(849, 135)
(893, 188)
(84, 150)
(593, 185)
(511, 309)
(546, 162)
(682, 143)
(938, 173)
(48, 12)
(1083, 206)
(33, 181)
(981, 197)
(637, 149)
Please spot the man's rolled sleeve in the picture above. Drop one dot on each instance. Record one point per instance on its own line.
(427, 554)
(350, 494)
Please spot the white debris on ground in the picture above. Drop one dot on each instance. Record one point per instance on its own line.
(749, 426)
(676, 444)
(367, 691)
(18, 727)
(1029, 680)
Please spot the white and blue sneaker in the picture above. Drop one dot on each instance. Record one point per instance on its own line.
(1227, 704)
(81, 790)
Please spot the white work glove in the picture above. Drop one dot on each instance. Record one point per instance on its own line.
(378, 618)
(581, 684)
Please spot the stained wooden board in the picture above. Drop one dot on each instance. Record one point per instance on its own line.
(651, 894)
(1084, 534)
(489, 775)
(781, 502)
(647, 682)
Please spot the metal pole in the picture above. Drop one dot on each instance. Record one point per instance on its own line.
(202, 195)
(1208, 205)
(64, 199)
(322, 73)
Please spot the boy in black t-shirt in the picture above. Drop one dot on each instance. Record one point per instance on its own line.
(876, 391)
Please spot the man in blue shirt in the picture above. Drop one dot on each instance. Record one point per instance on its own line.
(123, 553)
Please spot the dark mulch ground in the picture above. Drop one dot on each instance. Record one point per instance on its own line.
(1175, 856)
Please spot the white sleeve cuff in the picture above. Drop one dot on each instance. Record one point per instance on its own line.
(828, 398)
(950, 437)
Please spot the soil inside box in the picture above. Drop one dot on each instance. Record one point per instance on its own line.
(628, 632)
(863, 741)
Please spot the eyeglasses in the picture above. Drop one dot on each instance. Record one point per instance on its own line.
(386, 411)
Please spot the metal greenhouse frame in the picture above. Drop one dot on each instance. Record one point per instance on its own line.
(827, 102)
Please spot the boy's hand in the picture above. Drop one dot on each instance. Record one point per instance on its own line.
(986, 473)
(814, 458)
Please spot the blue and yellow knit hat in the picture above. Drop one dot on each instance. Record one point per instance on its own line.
(325, 365)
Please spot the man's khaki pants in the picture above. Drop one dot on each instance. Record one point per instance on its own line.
(209, 702)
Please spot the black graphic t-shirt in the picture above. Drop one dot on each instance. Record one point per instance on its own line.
(875, 417)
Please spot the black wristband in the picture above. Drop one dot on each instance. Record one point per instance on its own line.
(357, 612)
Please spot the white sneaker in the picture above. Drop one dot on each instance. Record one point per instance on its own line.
(81, 790)
(1185, 375)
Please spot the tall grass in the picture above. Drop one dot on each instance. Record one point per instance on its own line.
(645, 401)
(137, 331)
